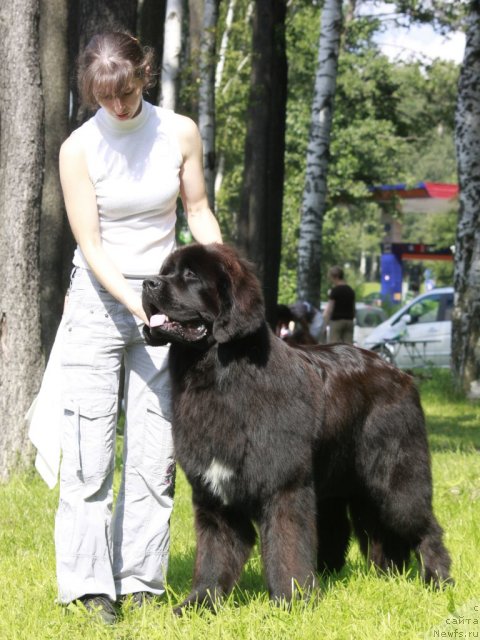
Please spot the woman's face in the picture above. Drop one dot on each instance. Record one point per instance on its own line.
(126, 105)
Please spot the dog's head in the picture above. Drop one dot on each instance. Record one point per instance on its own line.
(203, 293)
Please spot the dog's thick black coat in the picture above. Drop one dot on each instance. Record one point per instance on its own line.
(309, 444)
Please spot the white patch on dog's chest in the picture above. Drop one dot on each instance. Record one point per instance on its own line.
(218, 476)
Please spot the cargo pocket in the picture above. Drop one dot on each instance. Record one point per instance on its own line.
(88, 327)
(158, 457)
(88, 441)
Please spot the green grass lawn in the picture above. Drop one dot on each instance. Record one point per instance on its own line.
(356, 604)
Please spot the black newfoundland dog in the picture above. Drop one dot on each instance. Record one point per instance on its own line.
(309, 444)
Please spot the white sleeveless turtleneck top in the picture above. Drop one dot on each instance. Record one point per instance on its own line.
(134, 167)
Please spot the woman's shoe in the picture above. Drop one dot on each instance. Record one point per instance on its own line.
(101, 606)
(141, 598)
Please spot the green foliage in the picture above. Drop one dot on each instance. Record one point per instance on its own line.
(365, 148)
(435, 161)
(356, 604)
(428, 95)
(444, 14)
(231, 105)
(426, 119)
(393, 122)
(347, 233)
(359, 32)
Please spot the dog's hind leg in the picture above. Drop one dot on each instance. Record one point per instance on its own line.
(225, 538)
(365, 525)
(388, 546)
(333, 534)
(381, 547)
(394, 471)
(288, 537)
(433, 556)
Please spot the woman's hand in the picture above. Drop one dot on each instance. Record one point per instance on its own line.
(134, 305)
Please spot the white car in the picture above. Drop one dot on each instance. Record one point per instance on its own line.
(419, 334)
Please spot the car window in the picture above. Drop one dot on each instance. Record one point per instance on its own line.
(425, 310)
(369, 317)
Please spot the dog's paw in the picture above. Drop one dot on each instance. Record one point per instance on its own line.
(199, 599)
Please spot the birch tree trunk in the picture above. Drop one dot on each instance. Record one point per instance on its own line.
(54, 66)
(466, 315)
(21, 164)
(222, 54)
(172, 45)
(206, 96)
(315, 191)
(260, 215)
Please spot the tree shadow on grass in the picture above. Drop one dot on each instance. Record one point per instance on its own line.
(180, 573)
(459, 433)
(252, 584)
(453, 422)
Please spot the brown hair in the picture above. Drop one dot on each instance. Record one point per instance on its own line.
(109, 63)
(336, 272)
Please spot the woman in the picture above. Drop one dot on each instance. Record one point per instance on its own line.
(121, 173)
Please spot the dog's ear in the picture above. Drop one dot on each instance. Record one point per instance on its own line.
(242, 309)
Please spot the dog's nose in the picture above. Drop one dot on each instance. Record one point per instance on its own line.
(150, 284)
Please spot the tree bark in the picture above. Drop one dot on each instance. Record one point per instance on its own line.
(151, 26)
(260, 215)
(466, 314)
(172, 45)
(206, 96)
(315, 191)
(21, 163)
(54, 67)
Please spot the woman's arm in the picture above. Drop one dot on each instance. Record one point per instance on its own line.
(201, 221)
(81, 206)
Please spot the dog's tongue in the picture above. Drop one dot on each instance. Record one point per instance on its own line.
(157, 319)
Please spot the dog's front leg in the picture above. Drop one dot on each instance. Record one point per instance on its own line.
(289, 543)
(225, 537)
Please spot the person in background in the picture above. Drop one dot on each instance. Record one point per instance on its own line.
(285, 322)
(121, 174)
(306, 312)
(293, 328)
(339, 313)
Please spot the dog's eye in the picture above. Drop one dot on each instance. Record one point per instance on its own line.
(190, 274)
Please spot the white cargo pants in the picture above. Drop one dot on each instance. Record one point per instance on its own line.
(97, 553)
